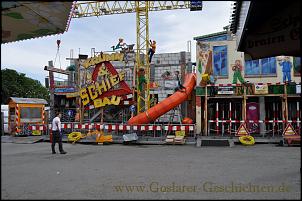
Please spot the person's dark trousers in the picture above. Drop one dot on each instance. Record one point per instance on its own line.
(56, 137)
(150, 53)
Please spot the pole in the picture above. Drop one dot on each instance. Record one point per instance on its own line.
(298, 117)
(235, 117)
(274, 118)
(206, 113)
(2, 124)
(244, 104)
(285, 112)
(217, 113)
(222, 128)
(230, 112)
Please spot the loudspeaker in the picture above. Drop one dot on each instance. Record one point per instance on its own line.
(47, 82)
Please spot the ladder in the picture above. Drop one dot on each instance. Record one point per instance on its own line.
(174, 111)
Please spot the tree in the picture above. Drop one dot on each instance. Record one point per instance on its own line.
(16, 84)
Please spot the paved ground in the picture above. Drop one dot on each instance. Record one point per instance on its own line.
(264, 171)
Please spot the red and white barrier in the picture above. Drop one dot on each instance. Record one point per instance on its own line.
(37, 128)
(254, 121)
(238, 85)
(118, 127)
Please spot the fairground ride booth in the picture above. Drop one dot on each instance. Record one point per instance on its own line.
(24, 112)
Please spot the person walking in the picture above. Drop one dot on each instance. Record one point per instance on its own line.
(57, 134)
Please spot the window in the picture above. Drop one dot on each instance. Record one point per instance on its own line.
(31, 112)
(220, 60)
(266, 67)
(297, 66)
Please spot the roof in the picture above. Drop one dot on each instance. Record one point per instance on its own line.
(265, 29)
(235, 16)
(22, 20)
(210, 35)
(29, 100)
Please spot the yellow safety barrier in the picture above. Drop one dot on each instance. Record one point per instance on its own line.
(247, 140)
(74, 136)
(100, 137)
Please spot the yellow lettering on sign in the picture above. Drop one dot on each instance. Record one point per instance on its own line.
(103, 71)
(106, 101)
(102, 58)
(114, 80)
(115, 100)
(84, 96)
(92, 92)
(121, 76)
(108, 84)
(100, 86)
(97, 103)
(118, 57)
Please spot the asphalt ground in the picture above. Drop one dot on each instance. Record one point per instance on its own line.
(116, 171)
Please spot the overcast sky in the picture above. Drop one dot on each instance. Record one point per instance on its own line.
(170, 29)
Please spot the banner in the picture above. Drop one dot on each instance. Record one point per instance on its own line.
(225, 90)
(261, 89)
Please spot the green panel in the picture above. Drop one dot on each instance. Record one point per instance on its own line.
(291, 89)
(200, 91)
(276, 89)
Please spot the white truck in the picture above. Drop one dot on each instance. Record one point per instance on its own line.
(4, 119)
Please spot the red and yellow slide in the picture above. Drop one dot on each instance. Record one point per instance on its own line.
(167, 104)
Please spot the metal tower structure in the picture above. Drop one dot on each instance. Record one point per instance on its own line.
(141, 8)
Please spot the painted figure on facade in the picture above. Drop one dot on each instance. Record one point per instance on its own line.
(237, 68)
(286, 68)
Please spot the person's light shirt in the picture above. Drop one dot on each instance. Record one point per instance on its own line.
(56, 122)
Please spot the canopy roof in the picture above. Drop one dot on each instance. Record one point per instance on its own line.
(23, 20)
(28, 100)
(266, 29)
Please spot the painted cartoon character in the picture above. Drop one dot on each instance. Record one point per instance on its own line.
(237, 68)
(286, 68)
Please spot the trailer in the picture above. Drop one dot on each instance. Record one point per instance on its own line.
(25, 111)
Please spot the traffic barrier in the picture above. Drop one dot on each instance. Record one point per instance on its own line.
(155, 131)
(274, 123)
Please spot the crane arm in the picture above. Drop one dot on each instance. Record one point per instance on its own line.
(98, 8)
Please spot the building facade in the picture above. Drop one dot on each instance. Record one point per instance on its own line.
(264, 93)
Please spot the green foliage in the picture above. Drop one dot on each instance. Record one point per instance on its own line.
(16, 84)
